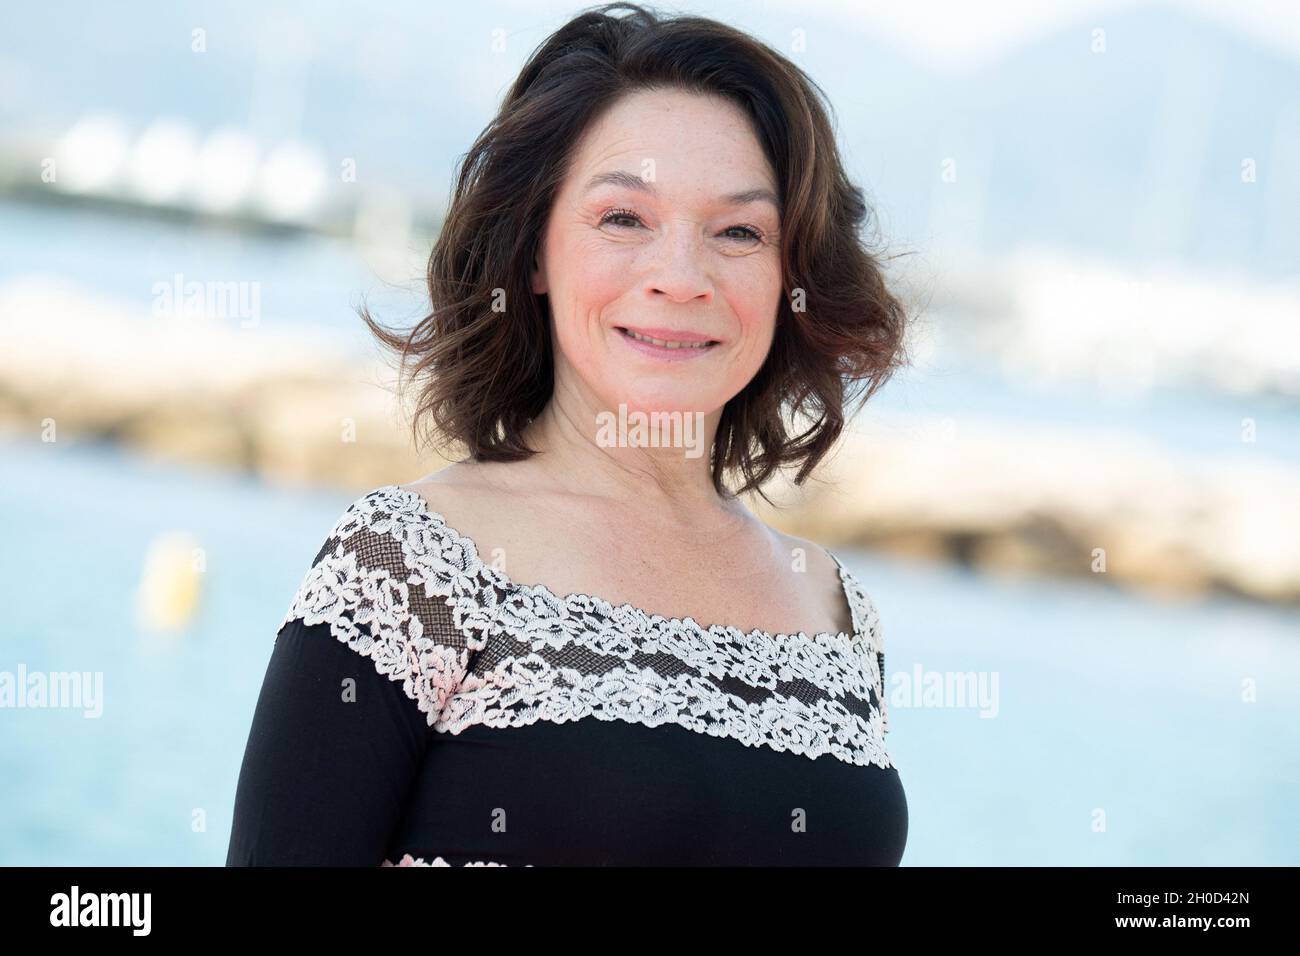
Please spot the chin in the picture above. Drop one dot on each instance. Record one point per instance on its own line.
(661, 400)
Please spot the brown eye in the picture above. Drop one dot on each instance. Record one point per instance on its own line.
(748, 233)
(620, 214)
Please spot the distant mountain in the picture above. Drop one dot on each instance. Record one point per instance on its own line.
(1135, 153)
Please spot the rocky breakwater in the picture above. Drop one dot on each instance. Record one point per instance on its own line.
(1011, 498)
(277, 401)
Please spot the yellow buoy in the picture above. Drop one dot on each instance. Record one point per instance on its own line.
(170, 582)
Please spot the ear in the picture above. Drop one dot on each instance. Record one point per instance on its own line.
(537, 276)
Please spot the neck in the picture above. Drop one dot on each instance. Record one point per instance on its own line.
(656, 462)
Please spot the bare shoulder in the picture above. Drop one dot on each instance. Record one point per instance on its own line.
(492, 503)
(457, 475)
(465, 489)
(808, 555)
(820, 580)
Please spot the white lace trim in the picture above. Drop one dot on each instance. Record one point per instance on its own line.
(390, 559)
(409, 860)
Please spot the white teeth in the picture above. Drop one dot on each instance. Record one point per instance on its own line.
(665, 344)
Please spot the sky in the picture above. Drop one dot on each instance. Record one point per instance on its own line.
(958, 34)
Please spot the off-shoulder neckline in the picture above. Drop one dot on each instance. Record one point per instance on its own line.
(848, 588)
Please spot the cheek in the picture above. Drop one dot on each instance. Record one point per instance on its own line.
(587, 278)
(756, 298)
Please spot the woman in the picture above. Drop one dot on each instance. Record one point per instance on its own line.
(649, 296)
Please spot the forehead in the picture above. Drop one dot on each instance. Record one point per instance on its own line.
(688, 139)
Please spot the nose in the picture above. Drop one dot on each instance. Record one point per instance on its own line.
(679, 271)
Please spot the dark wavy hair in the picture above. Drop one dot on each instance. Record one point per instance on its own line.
(485, 375)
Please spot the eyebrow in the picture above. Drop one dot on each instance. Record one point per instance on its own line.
(632, 181)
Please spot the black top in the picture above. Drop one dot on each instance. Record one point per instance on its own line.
(422, 709)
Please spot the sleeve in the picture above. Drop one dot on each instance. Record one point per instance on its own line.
(362, 668)
(332, 752)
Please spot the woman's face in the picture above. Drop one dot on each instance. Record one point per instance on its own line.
(665, 228)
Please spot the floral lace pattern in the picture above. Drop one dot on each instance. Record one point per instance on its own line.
(471, 647)
(409, 860)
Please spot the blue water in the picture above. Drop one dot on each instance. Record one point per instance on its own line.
(1108, 703)
(303, 280)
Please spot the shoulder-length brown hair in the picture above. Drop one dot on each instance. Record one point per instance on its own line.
(485, 375)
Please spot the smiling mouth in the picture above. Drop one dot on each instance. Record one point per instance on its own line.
(699, 344)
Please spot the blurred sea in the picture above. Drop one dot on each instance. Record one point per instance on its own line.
(1106, 702)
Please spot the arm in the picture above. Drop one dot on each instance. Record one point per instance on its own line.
(364, 664)
(331, 755)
